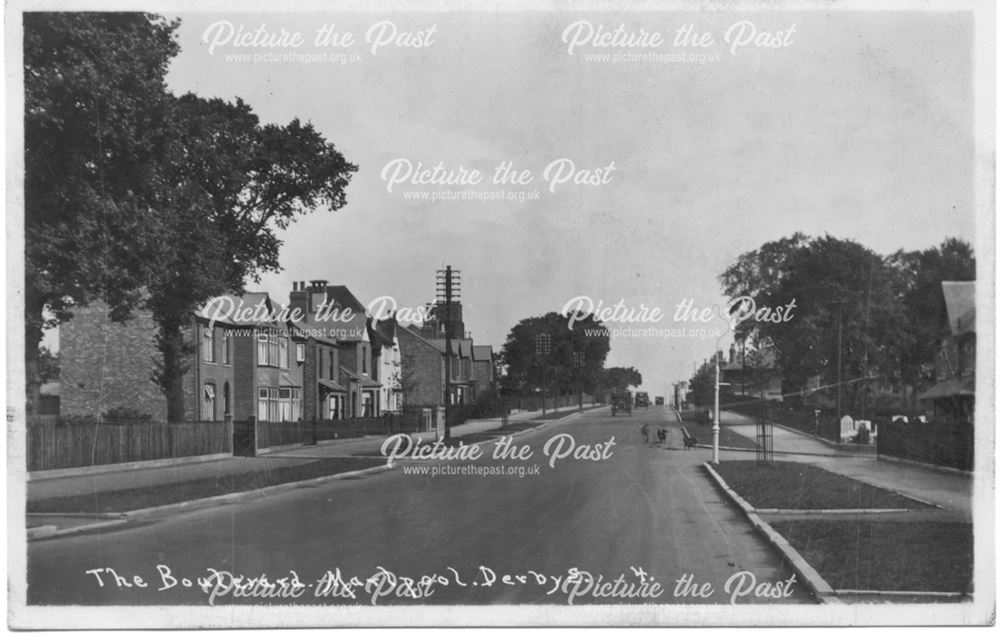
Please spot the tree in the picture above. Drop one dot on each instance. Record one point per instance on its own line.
(94, 95)
(882, 316)
(229, 185)
(702, 384)
(48, 365)
(145, 200)
(847, 317)
(528, 368)
(920, 274)
(621, 378)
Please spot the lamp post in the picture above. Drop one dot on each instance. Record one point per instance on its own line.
(715, 422)
(840, 348)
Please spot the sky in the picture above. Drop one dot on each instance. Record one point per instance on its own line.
(859, 125)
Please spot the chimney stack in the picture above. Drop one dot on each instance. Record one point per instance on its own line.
(317, 295)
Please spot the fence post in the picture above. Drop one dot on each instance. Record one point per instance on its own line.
(440, 422)
(253, 426)
(228, 420)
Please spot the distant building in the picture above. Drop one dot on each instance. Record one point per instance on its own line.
(752, 373)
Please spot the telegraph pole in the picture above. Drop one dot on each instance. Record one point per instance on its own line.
(840, 348)
(448, 290)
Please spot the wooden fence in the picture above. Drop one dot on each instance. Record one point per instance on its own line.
(54, 443)
(275, 434)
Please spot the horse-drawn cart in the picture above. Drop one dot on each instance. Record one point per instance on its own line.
(621, 401)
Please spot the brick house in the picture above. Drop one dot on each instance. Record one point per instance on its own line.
(267, 377)
(106, 366)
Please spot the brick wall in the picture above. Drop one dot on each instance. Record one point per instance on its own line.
(105, 365)
(422, 371)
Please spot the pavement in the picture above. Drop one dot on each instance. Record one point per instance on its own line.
(950, 491)
(87, 484)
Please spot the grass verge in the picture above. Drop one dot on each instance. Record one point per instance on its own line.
(163, 494)
(794, 486)
(868, 554)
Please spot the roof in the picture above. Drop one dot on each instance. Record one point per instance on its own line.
(460, 347)
(465, 351)
(482, 353)
(960, 301)
(949, 388)
(415, 333)
(318, 331)
(341, 296)
(224, 308)
(364, 381)
(333, 386)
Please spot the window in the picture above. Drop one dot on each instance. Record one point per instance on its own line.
(285, 404)
(364, 360)
(262, 401)
(300, 353)
(262, 357)
(207, 344)
(283, 353)
(227, 342)
(269, 405)
(332, 407)
(289, 406)
(208, 403)
(272, 350)
(332, 376)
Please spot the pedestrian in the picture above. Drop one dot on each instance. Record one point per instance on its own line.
(645, 433)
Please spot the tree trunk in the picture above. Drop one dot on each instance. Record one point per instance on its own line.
(175, 351)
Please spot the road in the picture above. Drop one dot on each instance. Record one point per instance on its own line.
(631, 521)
